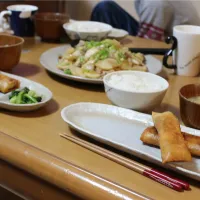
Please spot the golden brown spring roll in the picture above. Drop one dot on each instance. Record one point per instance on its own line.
(172, 144)
(150, 136)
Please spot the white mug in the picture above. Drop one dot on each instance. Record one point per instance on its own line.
(186, 52)
(4, 25)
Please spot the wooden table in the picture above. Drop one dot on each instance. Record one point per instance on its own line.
(34, 157)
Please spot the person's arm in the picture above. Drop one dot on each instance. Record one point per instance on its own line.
(155, 17)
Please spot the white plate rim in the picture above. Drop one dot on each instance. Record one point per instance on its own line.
(122, 31)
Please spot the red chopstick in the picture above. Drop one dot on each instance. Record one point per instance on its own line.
(153, 174)
(165, 179)
(184, 184)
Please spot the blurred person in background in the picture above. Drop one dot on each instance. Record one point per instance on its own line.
(157, 17)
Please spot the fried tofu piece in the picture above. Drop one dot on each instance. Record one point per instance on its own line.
(8, 84)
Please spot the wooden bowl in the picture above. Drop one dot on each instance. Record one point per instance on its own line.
(10, 51)
(49, 25)
(190, 111)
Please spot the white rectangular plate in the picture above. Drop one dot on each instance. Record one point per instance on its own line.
(121, 128)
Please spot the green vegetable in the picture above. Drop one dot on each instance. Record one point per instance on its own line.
(102, 54)
(112, 48)
(120, 56)
(13, 94)
(26, 90)
(32, 93)
(13, 99)
(24, 96)
(91, 44)
(30, 98)
(106, 43)
(68, 71)
(19, 97)
(39, 99)
(82, 59)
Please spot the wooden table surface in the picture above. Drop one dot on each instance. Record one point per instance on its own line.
(41, 129)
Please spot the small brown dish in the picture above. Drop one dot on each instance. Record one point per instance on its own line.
(49, 25)
(10, 51)
(189, 110)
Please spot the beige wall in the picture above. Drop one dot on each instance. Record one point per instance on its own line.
(81, 9)
(196, 4)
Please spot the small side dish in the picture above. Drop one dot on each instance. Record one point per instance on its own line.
(10, 51)
(8, 84)
(195, 99)
(21, 94)
(49, 25)
(189, 96)
(24, 96)
(93, 59)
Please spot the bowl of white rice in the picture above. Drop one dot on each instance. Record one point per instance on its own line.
(141, 91)
(87, 30)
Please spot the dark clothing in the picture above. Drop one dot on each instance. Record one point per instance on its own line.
(111, 13)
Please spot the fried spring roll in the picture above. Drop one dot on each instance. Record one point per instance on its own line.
(150, 136)
(172, 144)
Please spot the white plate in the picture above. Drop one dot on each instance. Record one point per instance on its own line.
(49, 60)
(40, 90)
(121, 128)
(117, 33)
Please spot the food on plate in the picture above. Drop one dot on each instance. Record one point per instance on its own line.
(94, 59)
(7, 83)
(24, 96)
(133, 83)
(150, 136)
(172, 143)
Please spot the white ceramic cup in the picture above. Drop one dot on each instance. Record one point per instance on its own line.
(186, 57)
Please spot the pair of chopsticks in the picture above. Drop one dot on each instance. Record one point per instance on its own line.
(151, 173)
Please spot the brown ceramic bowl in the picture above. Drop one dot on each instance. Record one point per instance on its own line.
(10, 51)
(190, 111)
(49, 25)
